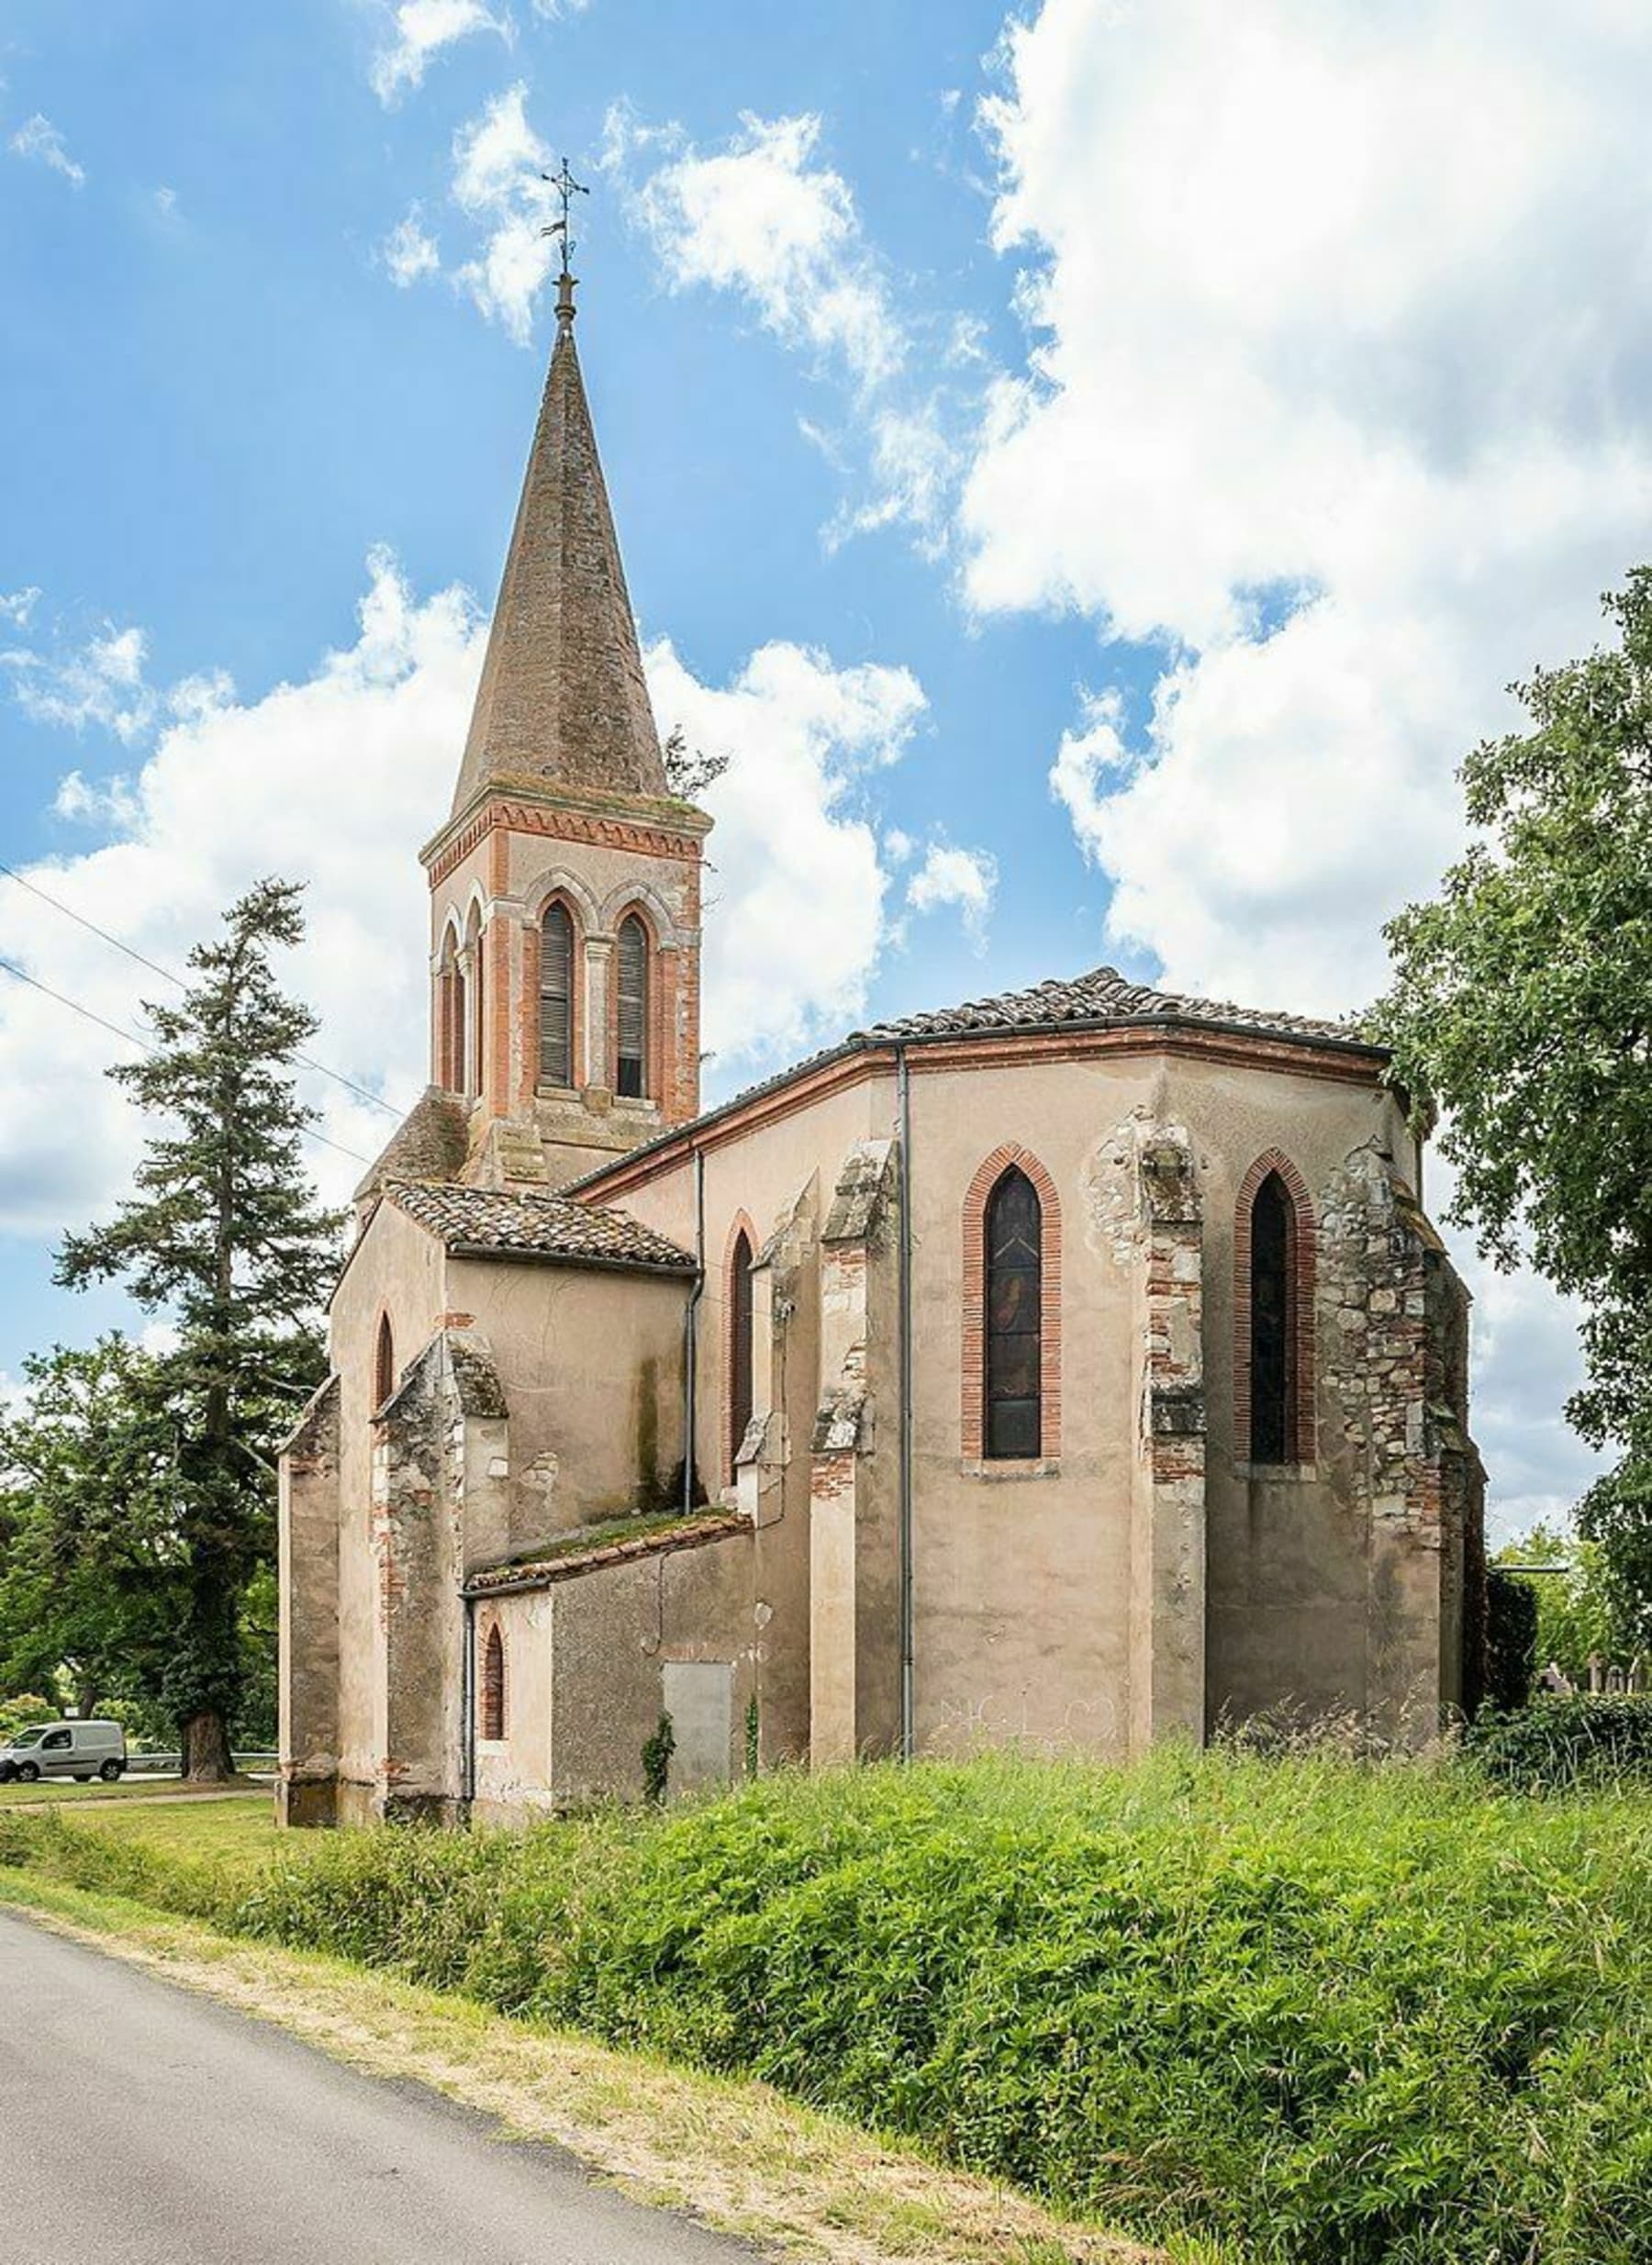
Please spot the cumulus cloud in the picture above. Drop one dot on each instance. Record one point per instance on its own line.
(419, 29)
(966, 878)
(766, 217)
(336, 779)
(1334, 389)
(407, 252)
(796, 907)
(498, 164)
(38, 138)
(18, 607)
(101, 684)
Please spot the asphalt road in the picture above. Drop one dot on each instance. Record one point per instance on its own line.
(141, 2125)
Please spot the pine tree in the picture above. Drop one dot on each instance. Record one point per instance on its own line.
(225, 1236)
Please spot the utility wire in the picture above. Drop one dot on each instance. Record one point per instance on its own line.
(167, 975)
(133, 1038)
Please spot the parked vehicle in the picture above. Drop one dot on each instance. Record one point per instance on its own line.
(83, 1750)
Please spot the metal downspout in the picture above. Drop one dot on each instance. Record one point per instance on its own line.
(468, 1733)
(908, 1642)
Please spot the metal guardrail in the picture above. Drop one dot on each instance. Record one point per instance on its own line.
(168, 1764)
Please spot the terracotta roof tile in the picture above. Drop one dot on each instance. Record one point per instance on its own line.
(556, 1229)
(578, 1552)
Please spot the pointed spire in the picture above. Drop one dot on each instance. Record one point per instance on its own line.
(563, 702)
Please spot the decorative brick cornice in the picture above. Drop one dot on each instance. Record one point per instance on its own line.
(642, 829)
(1302, 1410)
(973, 1348)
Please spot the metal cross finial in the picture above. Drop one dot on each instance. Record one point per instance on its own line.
(567, 189)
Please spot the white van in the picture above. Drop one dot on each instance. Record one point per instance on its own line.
(83, 1750)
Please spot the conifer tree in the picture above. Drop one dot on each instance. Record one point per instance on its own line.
(225, 1236)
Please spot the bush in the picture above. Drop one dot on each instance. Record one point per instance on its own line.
(1336, 2013)
(1558, 1745)
(1511, 1639)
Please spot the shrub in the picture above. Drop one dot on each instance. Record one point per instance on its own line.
(1556, 1744)
(1334, 2012)
(1511, 1639)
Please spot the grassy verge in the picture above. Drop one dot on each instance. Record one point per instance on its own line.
(50, 1791)
(736, 2154)
(1333, 2014)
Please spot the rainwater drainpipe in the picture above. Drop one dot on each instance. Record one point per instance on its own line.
(907, 1644)
(690, 1332)
(468, 1734)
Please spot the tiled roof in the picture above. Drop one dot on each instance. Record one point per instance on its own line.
(1102, 995)
(556, 1229)
(584, 1551)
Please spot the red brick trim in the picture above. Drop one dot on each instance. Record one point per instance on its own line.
(974, 1351)
(739, 1224)
(1303, 1413)
(639, 840)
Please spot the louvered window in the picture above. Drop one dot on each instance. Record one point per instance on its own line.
(460, 1031)
(631, 1078)
(493, 1685)
(556, 998)
(478, 1018)
(1014, 1303)
(739, 1343)
(1273, 1425)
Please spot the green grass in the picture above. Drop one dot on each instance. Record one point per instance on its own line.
(1341, 2014)
(55, 1789)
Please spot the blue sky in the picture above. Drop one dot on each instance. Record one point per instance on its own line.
(1094, 472)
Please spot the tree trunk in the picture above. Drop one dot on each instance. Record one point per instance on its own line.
(206, 1758)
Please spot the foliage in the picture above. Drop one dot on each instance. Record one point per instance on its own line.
(224, 1236)
(22, 1712)
(1511, 1639)
(1575, 1618)
(753, 1736)
(1521, 1002)
(1558, 1744)
(689, 771)
(657, 1752)
(1336, 2013)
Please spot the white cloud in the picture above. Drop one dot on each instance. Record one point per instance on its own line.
(166, 201)
(498, 161)
(1334, 388)
(795, 916)
(766, 217)
(38, 137)
(965, 877)
(417, 30)
(103, 684)
(408, 252)
(18, 607)
(336, 780)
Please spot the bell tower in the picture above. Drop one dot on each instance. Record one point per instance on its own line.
(566, 885)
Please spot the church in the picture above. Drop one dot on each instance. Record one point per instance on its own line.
(1074, 1367)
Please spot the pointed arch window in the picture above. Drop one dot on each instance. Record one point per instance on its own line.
(631, 1073)
(556, 996)
(474, 1040)
(452, 1034)
(739, 1343)
(1273, 1364)
(383, 1363)
(1013, 1399)
(493, 1684)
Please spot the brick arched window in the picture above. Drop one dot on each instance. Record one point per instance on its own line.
(476, 1038)
(630, 979)
(383, 1363)
(1011, 1311)
(450, 1027)
(1273, 1315)
(493, 1684)
(740, 1342)
(556, 996)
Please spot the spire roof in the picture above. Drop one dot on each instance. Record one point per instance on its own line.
(563, 702)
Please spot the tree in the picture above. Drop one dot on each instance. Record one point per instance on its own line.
(1575, 1619)
(224, 1235)
(91, 1556)
(1521, 1005)
(688, 771)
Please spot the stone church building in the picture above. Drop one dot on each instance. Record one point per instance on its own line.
(1074, 1366)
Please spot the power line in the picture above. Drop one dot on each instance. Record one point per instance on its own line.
(167, 975)
(133, 1038)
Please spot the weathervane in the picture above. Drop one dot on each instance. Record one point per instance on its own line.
(567, 189)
